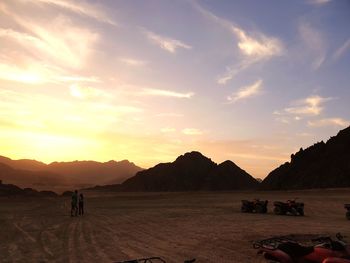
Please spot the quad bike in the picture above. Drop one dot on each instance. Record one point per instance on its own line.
(151, 260)
(290, 207)
(347, 207)
(256, 206)
(285, 250)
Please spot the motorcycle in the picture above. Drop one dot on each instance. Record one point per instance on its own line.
(285, 250)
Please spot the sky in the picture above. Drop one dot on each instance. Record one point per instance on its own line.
(249, 81)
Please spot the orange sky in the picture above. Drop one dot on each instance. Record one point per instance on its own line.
(148, 82)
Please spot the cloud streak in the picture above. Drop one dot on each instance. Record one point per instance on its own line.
(319, 2)
(166, 93)
(168, 44)
(315, 43)
(82, 8)
(246, 92)
(133, 62)
(84, 92)
(192, 131)
(333, 122)
(258, 47)
(342, 50)
(253, 46)
(310, 106)
(58, 41)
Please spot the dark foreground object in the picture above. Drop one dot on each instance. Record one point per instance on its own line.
(151, 260)
(290, 207)
(256, 206)
(347, 207)
(286, 250)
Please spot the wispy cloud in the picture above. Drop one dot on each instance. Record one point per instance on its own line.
(82, 8)
(254, 46)
(92, 79)
(166, 43)
(85, 92)
(169, 114)
(258, 47)
(133, 62)
(342, 49)
(311, 106)
(254, 49)
(246, 92)
(232, 71)
(334, 122)
(167, 130)
(29, 74)
(192, 131)
(58, 41)
(319, 2)
(315, 43)
(301, 109)
(166, 93)
(24, 69)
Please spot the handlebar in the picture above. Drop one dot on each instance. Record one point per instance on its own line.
(151, 260)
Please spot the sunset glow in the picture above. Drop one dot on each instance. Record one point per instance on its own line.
(150, 80)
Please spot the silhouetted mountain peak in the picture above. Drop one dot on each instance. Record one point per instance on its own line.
(322, 165)
(228, 163)
(193, 156)
(190, 172)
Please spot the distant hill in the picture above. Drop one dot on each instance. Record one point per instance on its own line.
(323, 165)
(64, 175)
(13, 190)
(23, 164)
(91, 172)
(191, 172)
(33, 179)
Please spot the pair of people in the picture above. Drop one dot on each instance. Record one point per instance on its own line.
(77, 204)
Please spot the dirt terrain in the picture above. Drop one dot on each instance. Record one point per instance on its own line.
(175, 226)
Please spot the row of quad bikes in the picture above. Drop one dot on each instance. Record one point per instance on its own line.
(280, 208)
(285, 249)
(290, 207)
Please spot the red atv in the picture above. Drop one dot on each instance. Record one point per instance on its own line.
(347, 207)
(284, 250)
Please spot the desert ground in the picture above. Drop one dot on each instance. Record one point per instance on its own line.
(175, 226)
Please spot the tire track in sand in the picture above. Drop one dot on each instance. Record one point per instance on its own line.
(70, 233)
(97, 245)
(132, 240)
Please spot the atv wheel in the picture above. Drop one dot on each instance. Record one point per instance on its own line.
(278, 210)
(244, 209)
(301, 211)
(348, 215)
(259, 209)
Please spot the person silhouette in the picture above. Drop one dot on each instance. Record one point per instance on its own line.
(74, 209)
(81, 204)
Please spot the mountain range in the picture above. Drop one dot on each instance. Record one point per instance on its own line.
(322, 165)
(61, 176)
(189, 172)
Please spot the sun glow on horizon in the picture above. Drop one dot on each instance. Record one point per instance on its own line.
(118, 80)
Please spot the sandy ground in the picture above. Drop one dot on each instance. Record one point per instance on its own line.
(175, 226)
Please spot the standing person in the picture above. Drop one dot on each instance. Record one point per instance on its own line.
(81, 204)
(74, 209)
